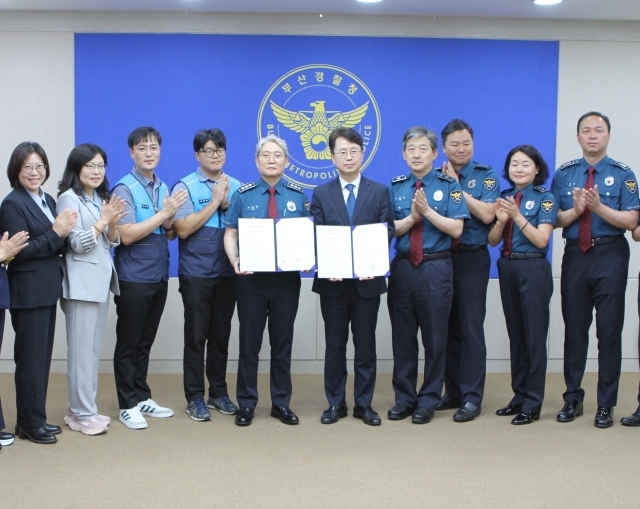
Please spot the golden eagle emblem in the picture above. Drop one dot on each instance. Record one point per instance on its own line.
(632, 185)
(547, 206)
(456, 196)
(315, 126)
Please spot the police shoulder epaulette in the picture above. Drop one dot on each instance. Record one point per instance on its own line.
(399, 178)
(446, 177)
(619, 165)
(246, 187)
(439, 170)
(569, 164)
(479, 166)
(506, 191)
(541, 189)
(295, 187)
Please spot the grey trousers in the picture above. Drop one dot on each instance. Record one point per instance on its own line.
(85, 331)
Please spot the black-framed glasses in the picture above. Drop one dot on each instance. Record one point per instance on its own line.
(210, 152)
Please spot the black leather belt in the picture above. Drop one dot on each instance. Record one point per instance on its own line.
(524, 256)
(468, 249)
(595, 242)
(427, 256)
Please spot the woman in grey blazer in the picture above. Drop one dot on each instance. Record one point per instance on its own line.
(89, 276)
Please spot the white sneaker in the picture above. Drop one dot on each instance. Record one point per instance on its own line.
(132, 418)
(103, 419)
(87, 426)
(152, 409)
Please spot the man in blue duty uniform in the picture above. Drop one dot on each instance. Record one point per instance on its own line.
(598, 200)
(429, 210)
(466, 348)
(142, 263)
(207, 280)
(265, 294)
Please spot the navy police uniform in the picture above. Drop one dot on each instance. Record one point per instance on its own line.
(466, 347)
(526, 286)
(266, 294)
(420, 296)
(597, 277)
(208, 289)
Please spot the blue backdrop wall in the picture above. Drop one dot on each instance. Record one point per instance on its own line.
(298, 87)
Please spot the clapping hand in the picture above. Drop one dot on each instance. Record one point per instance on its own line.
(171, 204)
(220, 192)
(64, 222)
(9, 247)
(113, 210)
(508, 205)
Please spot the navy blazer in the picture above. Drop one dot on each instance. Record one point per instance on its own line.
(373, 205)
(35, 274)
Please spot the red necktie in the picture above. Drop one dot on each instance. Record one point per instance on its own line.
(508, 229)
(455, 242)
(272, 206)
(415, 237)
(584, 231)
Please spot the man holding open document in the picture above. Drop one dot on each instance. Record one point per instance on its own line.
(261, 290)
(350, 200)
(429, 210)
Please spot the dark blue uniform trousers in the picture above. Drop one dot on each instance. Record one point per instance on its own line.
(525, 289)
(595, 278)
(362, 313)
(272, 295)
(419, 297)
(466, 347)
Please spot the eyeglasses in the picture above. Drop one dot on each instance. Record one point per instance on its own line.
(92, 166)
(210, 152)
(421, 150)
(354, 152)
(28, 168)
(141, 149)
(265, 156)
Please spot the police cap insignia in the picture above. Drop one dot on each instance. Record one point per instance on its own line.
(307, 205)
(569, 163)
(632, 185)
(489, 184)
(621, 165)
(456, 196)
(547, 206)
(399, 178)
(246, 187)
(293, 186)
(541, 189)
(446, 177)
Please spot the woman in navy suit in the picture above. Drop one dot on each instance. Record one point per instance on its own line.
(35, 284)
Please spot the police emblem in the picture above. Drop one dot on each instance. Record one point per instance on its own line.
(307, 205)
(632, 185)
(456, 196)
(489, 184)
(305, 105)
(609, 181)
(471, 184)
(437, 196)
(529, 205)
(291, 206)
(546, 206)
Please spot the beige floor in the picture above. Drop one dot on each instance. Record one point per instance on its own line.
(177, 462)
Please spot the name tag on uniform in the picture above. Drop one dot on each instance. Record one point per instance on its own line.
(145, 206)
(205, 200)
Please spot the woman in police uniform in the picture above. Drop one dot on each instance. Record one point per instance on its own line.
(526, 215)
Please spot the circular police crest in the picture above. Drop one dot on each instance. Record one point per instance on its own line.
(608, 181)
(305, 105)
(471, 184)
(291, 206)
(437, 196)
(529, 205)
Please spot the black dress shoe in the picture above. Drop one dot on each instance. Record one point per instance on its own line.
(244, 416)
(6, 438)
(604, 417)
(399, 412)
(447, 402)
(367, 414)
(525, 417)
(570, 411)
(52, 428)
(510, 409)
(467, 412)
(36, 435)
(285, 415)
(422, 415)
(632, 420)
(333, 413)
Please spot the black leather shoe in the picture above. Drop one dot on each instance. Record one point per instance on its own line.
(447, 402)
(510, 409)
(244, 416)
(525, 417)
(422, 415)
(367, 414)
(570, 411)
(399, 412)
(604, 417)
(333, 413)
(467, 412)
(6, 438)
(36, 435)
(285, 415)
(632, 420)
(52, 428)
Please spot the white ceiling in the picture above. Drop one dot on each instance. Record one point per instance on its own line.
(627, 10)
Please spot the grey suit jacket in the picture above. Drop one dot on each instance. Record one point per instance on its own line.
(89, 272)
